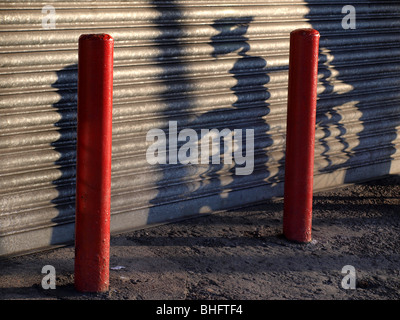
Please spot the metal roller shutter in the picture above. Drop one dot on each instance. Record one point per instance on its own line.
(205, 64)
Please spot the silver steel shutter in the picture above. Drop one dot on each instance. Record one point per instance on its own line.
(205, 64)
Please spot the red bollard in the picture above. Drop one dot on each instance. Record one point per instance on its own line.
(300, 135)
(93, 173)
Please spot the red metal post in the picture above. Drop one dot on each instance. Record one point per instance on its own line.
(300, 137)
(93, 177)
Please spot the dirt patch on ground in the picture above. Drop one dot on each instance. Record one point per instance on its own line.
(242, 254)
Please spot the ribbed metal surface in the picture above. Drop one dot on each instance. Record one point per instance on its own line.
(205, 64)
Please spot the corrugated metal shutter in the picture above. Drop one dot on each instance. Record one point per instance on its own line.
(205, 64)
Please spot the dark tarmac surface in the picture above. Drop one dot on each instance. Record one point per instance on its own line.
(241, 254)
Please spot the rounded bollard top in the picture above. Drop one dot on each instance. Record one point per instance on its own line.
(305, 32)
(96, 37)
